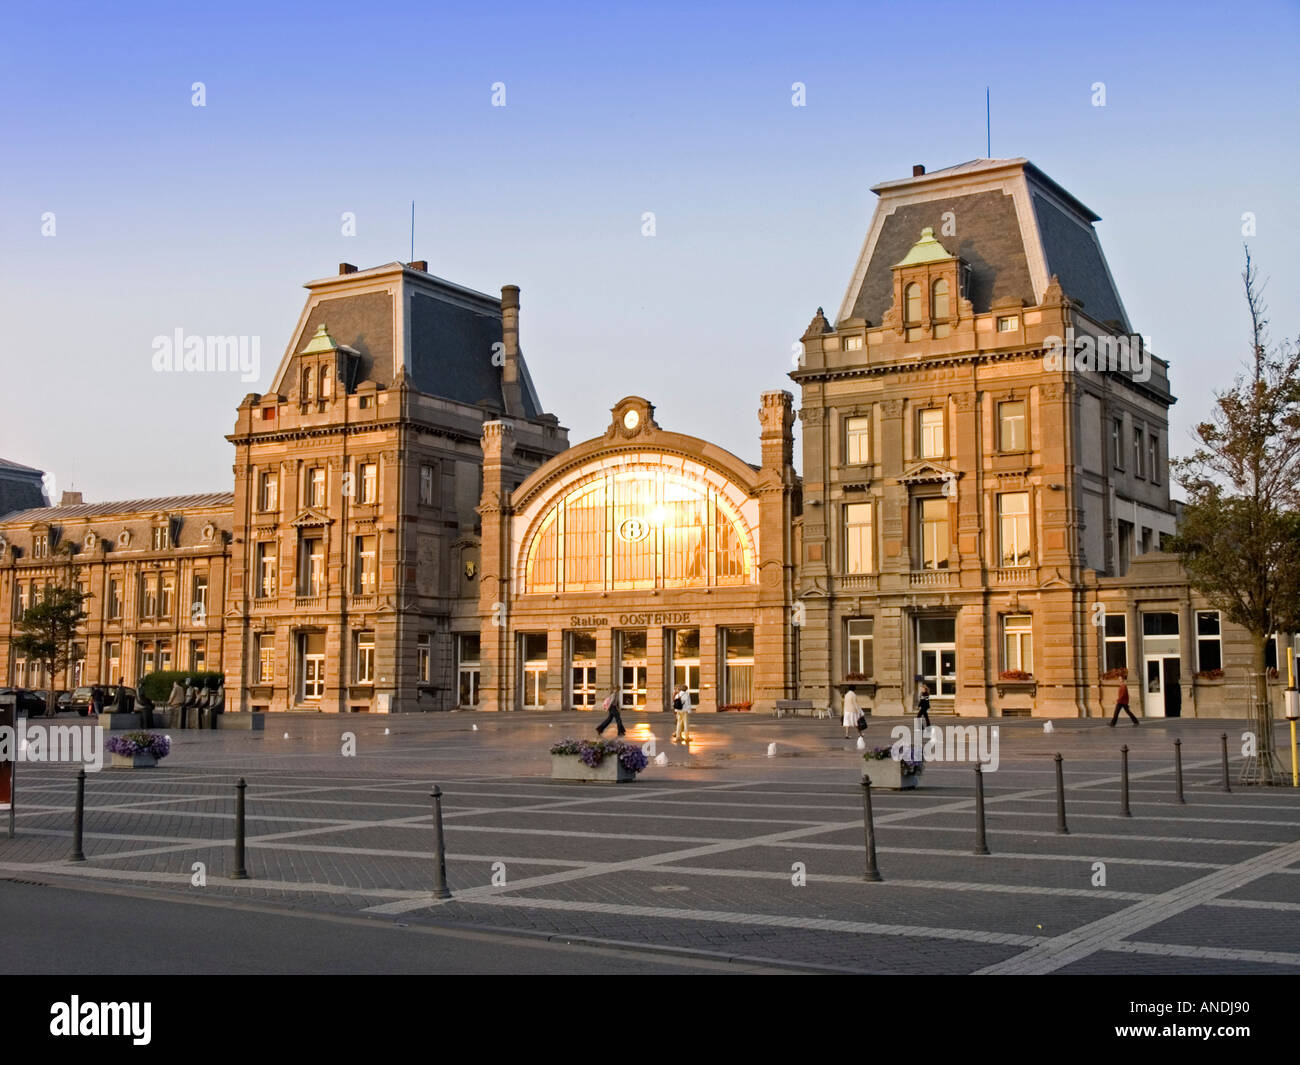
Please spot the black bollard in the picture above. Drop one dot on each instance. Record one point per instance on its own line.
(1123, 751)
(981, 843)
(872, 873)
(1060, 797)
(1226, 785)
(440, 888)
(77, 855)
(1178, 768)
(240, 873)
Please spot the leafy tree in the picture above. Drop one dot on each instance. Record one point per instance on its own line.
(1239, 539)
(48, 627)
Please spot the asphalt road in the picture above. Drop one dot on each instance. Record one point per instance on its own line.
(52, 929)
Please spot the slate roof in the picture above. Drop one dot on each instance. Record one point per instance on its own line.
(18, 467)
(161, 504)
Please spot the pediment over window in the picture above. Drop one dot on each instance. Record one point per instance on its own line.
(311, 518)
(928, 473)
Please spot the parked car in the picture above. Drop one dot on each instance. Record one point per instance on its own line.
(28, 703)
(79, 700)
(61, 702)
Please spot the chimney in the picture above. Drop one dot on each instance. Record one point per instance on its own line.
(346, 268)
(918, 169)
(420, 264)
(71, 499)
(510, 389)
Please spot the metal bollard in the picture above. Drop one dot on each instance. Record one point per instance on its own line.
(1123, 752)
(440, 888)
(77, 855)
(872, 873)
(1060, 797)
(1227, 786)
(241, 872)
(1178, 768)
(981, 842)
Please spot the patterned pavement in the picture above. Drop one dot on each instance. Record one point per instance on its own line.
(725, 852)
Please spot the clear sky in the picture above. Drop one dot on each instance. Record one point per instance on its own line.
(209, 219)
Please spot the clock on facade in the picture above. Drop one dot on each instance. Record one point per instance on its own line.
(631, 419)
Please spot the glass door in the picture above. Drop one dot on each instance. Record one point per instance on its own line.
(936, 640)
(582, 670)
(685, 644)
(633, 669)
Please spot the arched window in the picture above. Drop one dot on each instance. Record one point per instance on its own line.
(939, 299)
(308, 377)
(324, 382)
(639, 528)
(912, 304)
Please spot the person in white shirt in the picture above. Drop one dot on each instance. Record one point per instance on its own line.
(682, 708)
(851, 711)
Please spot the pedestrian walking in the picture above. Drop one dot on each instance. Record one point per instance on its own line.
(682, 708)
(1121, 703)
(96, 700)
(923, 705)
(853, 715)
(610, 705)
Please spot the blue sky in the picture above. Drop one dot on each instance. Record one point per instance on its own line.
(209, 219)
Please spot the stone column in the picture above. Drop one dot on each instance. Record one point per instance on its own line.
(773, 655)
(496, 628)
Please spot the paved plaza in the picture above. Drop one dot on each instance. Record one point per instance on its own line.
(726, 856)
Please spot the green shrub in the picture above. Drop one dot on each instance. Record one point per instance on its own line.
(158, 686)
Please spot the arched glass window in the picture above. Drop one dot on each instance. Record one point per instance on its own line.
(308, 378)
(912, 303)
(639, 528)
(939, 299)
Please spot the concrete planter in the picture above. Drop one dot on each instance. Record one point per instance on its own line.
(888, 773)
(571, 767)
(246, 721)
(134, 761)
(115, 722)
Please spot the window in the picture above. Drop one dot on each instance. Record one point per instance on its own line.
(858, 556)
(308, 384)
(165, 656)
(1008, 323)
(369, 483)
(78, 659)
(268, 414)
(1116, 642)
(311, 566)
(114, 598)
(940, 308)
(268, 491)
(264, 571)
(265, 658)
(467, 668)
(912, 312)
(21, 608)
(931, 433)
(198, 655)
(533, 653)
(934, 533)
(1209, 641)
(113, 656)
(40, 545)
(316, 487)
(326, 383)
(365, 658)
(852, 343)
(423, 658)
(311, 650)
(166, 595)
(427, 481)
(582, 669)
(149, 595)
(199, 600)
(1017, 643)
(145, 655)
(160, 539)
(1153, 458)
(738, 659)
(1146, 540)
(1137, 452)
(1013, 522)
(857, 440)
(860, 646)
(1011, 426)
(1117, 442)
(364, 566)
(686, 659)
(1125, 546)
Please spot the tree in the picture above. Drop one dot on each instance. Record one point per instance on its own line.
(48, 627)
(1239, 539)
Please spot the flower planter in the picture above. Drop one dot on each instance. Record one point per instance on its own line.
(141, 760)
(571, 767)
(888, 773)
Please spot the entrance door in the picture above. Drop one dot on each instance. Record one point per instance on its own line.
(936, 645)
(1163, 695)
(633, 668)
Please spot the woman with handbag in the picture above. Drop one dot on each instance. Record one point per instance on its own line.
(853, 716)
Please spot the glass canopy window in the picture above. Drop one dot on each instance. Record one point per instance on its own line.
(647, 528)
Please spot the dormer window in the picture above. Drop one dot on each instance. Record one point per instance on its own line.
(161, 540)
(940, 308)
(40, 545)
(912, 312)
(308, 384)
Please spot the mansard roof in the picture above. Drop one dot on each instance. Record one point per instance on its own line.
(1013, 225)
